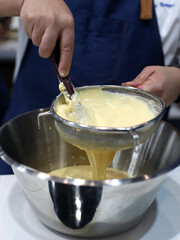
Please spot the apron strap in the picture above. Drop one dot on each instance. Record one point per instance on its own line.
(146, 9)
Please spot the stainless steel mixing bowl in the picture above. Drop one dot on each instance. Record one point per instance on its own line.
(110, 138)
(78, 207)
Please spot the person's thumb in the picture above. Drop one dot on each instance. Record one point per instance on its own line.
(141, 78)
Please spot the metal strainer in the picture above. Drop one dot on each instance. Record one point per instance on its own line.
(106, 138)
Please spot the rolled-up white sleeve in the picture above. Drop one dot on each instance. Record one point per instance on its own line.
(168, 17)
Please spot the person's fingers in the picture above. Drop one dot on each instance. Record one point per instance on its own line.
(66, 51)
(141, 78)
(148, 86)
(48, 42)
(37, 33)
(27, 28)
(132, 83)
(26, 21)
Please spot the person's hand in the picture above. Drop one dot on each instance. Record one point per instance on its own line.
(161, 81)
(45, 22)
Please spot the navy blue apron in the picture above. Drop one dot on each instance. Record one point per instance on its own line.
(112, 45)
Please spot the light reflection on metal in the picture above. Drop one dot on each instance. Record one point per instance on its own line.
(78, 208)
(146, 177)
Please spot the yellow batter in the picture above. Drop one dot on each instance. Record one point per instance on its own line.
(105, 109)
(84, 172)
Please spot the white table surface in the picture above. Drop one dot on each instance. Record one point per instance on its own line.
(162, 221)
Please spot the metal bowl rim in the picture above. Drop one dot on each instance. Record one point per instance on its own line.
(81, 182)
(114, 182)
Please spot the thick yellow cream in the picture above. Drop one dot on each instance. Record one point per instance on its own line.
(105, 109)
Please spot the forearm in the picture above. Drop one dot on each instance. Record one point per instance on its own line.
(9, 8)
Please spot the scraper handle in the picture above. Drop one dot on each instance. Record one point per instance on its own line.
(55, 57)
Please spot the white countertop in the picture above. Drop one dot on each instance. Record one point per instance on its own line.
(162, 221)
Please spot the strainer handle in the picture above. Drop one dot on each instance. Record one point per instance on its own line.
(136, 140)
(135, 152)
(40, 115)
